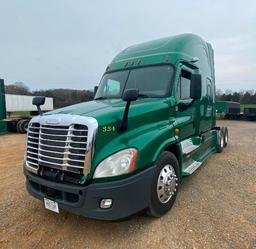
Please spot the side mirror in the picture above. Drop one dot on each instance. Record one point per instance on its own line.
(95, 90)
(130, 95)
(196, 86)
(38, 101)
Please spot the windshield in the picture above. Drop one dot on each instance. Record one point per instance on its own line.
(153, 81)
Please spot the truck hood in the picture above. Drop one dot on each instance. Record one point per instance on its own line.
(90, 108)
(110, 111)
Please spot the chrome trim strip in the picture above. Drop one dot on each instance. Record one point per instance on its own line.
(61, 159)
(61, 141)
(62, 147)
(37, 133)
(58, 129)
(31, 168)
(61, 165)
(30, 152)
(33, 158)
(33, 163)
(32, 148)
(32, 142)
(55, 135)
(63, 153)
(33, 137)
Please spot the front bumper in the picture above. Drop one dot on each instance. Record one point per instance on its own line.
(129, 195)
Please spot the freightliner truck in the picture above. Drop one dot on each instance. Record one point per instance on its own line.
(151, 123)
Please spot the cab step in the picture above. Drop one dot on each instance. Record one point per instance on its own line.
(192, 167)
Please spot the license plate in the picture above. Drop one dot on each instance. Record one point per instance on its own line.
(51, 205)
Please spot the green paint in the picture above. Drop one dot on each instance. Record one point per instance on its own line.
(152, 120)
(2, 100)
(247, 106)
(3, 127)
(221, 107)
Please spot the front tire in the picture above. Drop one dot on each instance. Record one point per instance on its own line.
(165, 184)
(22, 125)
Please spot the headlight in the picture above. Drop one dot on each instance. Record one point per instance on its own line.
(122, 162)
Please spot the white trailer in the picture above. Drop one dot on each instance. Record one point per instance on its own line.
(22, 103)
(19, 110)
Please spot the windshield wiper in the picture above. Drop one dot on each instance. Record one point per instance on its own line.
(143, 95)
(99, 98)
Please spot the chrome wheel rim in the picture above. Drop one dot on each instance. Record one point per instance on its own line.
(221, 141)
(226, 138)
(26, 128)
(167, 184)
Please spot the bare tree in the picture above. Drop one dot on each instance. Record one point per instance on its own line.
(17, 88)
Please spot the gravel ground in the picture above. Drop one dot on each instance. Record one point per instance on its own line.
(215, 208)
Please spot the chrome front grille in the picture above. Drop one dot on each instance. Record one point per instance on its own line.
(64, 147)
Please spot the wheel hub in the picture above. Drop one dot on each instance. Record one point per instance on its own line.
(167, 184)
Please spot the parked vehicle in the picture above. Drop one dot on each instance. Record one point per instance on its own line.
(151, 123)
(250, 113)
(228, 109)
(17, 110)
(232, 110)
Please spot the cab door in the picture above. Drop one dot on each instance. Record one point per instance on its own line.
(207, 107)
(186, 109)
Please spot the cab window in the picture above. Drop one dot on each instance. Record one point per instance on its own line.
(184, 85)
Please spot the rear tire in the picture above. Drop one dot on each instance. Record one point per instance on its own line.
(225, 136)
(220, 142)
(165, 184)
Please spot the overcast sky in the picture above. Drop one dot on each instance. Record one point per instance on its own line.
(68, 43)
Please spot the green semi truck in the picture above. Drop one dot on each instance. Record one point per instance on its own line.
(151, 123)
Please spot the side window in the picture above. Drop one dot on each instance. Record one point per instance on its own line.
(184, 85)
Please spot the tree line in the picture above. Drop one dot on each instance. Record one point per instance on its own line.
(243, 97)
(65, 97)
(61, 97)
